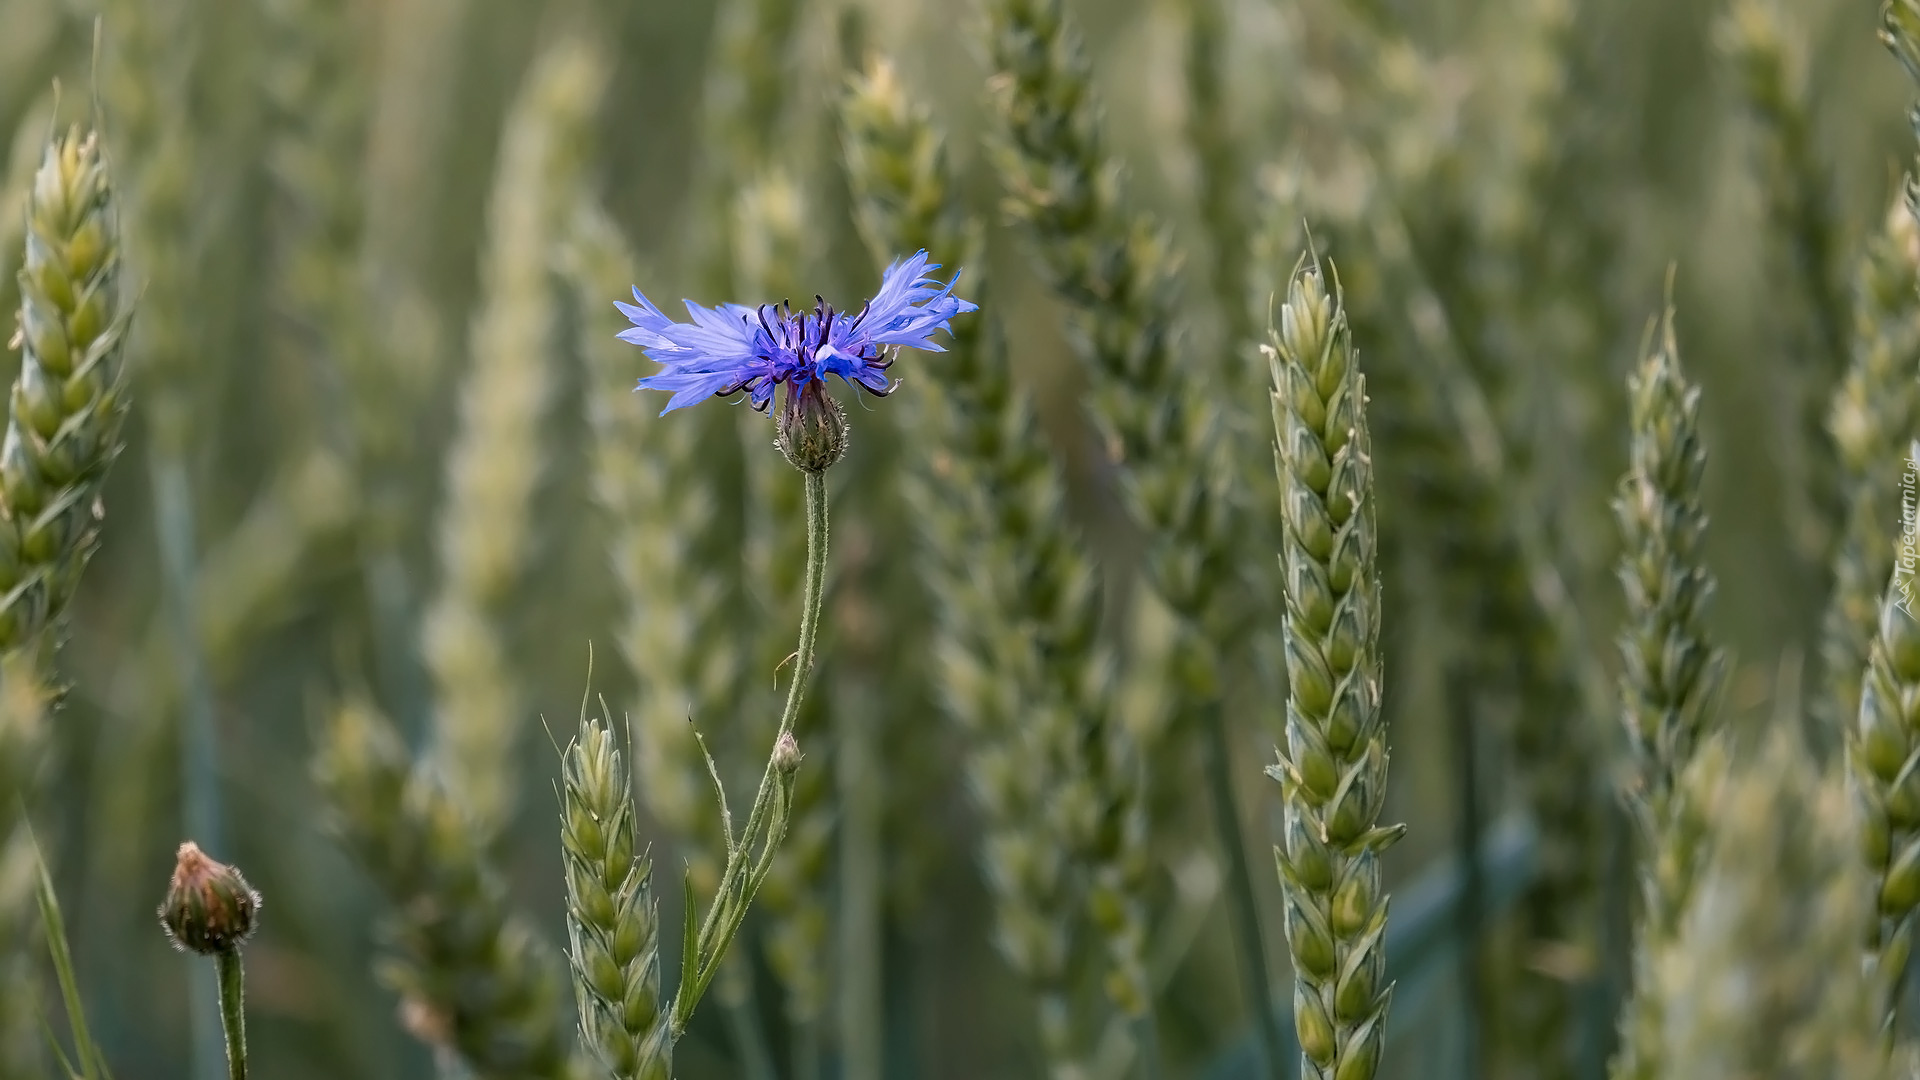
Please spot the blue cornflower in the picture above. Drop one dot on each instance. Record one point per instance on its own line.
(734, 348)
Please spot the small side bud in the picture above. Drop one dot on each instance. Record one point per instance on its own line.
(210, 908)
(812, 427)
(786, 754)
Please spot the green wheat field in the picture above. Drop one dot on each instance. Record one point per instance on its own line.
(1345, 539)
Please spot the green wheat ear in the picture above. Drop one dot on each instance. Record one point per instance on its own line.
(1671, 670)
(1021, 667)
(1884, 753)
(1333, 774)
(613, 922)
(65, 413)
(475, 980)
(1873, 410)
(1762, 977)
(495, 465)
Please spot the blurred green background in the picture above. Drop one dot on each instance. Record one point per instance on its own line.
(278, 142)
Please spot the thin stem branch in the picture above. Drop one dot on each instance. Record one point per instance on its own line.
(1244, 905)
(815, 592)
(750, 857)
(233, 1018)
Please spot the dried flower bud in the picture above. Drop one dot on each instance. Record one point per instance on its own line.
(812, 427)
(786, 754)
(210, 908)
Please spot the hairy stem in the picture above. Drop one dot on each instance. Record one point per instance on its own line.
(233, 1017)
(751, 855)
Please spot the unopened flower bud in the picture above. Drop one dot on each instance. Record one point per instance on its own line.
(210, 908)
(786, 754)
(812, 427)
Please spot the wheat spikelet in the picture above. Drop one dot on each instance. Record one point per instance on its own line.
(474, 979)
(613, 922)
(1773, 84)
(495, 463)
(1333, 774)
(1874, 410)
(1020, 663)
(1671, 670)
(1120, 277)
(1771, 72)
(67, 406)
(1883, 752)
(1761, 977)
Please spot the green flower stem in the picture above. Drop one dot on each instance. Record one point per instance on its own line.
(750, 856)
(1245, 910)
(815, 590)
(233, 1017)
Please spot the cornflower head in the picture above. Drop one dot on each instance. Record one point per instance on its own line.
(735, 349)
(210, 909)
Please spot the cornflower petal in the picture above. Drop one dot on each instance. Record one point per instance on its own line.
(911, 305)
(733, 349)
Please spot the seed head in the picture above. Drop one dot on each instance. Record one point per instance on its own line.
(210, 908)
(786, 754)
(812, 427)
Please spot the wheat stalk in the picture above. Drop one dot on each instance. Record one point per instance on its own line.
(1333, 775)
(1118, 274)
(1773, 85)
(67, 406)
(495, 463)
(613, 923)
(474, 979)
(1021, 666)
(1884, 753)
(1761, 46)
(1671, 670)
(1761, 977)
(1874, 410)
